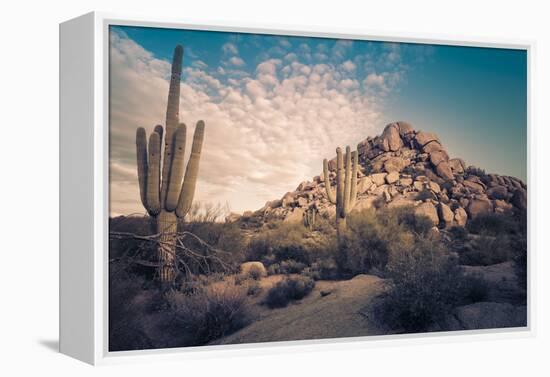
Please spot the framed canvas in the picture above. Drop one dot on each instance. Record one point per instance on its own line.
(251, 189)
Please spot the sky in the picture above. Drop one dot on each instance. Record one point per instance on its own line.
(275, 106)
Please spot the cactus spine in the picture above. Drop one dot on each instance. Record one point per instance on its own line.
(346, 185)
(165, 193)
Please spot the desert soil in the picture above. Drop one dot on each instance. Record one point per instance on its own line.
(334, 309)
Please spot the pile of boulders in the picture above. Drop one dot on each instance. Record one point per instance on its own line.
(404, 167)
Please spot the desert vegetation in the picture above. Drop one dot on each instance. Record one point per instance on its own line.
(394, 237)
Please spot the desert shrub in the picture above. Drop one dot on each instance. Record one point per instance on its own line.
(290, 266)
(427, 284)
(486, 250)
(211, 313)
(253, 288)
(404, 216)
(494, 224)
(325, 269)
(227, 237)
(283, 240)
(127, 312)
(289, 289)
(274, 269)
(473, 170)
(520, 261)
(474, 289)
(458, 233)
(371, 237)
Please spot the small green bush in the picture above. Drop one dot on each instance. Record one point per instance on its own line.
(289, 289)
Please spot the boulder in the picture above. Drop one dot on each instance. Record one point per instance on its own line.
(405, 128)
(423, 138)
(295, 216)
(287, 199)
(232, 217)
(302, 202)
(391, 141)
(431, 147)
(364, 184)
(434, 187)
(253, 269)
(460, 216)
(446, 214)
(427, 209)
(378, 178)
(400, 201)
(418, 185)
(503, 207)
(437, 157)
(497, 192)
(392, 177)
(489, 315)
(380, 190)
(444, 170)
(405, 182)
(395, 164)
(478, 207)
(365, 203)
(457, 165)
(519, 199)
(473, 186)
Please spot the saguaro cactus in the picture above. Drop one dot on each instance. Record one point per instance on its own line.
(310, 217)
(346, 185)
(165, 193)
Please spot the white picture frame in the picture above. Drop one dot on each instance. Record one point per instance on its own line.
(84, 126)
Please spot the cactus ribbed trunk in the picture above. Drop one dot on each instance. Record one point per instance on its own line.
(167, 226)
(165, 193)
(346, 186)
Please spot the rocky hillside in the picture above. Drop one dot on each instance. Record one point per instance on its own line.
(403, 166)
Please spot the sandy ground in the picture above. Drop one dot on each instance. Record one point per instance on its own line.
(340, 313)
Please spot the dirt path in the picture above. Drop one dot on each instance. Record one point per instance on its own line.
(339, 313)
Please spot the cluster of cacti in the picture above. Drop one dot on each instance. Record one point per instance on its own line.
(310, 217)
(168, 196)
(346, 185)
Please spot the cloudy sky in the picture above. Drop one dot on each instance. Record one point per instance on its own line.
(274, 107)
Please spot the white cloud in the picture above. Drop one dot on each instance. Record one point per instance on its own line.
(374, 79)
(230, 48)
(348, 66)
(265, 132)
(236, 61)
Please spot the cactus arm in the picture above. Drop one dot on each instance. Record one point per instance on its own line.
(191, 173)
(159, 130)
(339, 182)
(172, 119)
(141, 155)
(353, 192)
(330, 191)
(347, 182)
(153, 176)
(176, 175)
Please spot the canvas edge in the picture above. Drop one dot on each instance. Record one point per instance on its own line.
(101, 353)
(76, 196)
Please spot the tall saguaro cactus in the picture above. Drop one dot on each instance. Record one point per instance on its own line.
(346, 185)
(165, 193)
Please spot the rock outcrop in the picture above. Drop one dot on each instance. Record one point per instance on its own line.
(404, 166)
